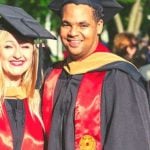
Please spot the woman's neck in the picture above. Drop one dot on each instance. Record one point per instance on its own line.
(13, 82)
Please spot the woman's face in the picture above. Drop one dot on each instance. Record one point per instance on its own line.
(16, 56)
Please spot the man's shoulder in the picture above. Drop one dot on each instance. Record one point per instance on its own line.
(127, 68)
(123, 66)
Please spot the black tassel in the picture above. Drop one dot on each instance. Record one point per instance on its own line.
(40, 70)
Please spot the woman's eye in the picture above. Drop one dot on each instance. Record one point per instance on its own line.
(25, 46)
(8, 46)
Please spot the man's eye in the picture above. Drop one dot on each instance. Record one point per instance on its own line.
(64, 24)
(84, 25)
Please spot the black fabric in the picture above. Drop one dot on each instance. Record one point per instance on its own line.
(63, 123)
(15, 110)
(125, 112)
(110, 7)
(133, 72)
(40, 68)
(15, 18)
(127, 68)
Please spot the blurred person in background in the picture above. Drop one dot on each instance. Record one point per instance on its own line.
(144, 60)
(125, 45)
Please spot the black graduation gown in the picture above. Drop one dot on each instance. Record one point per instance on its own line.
(16, 115)
(125, 110)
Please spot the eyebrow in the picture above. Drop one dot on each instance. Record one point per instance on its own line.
(9, 41)
(80, 22)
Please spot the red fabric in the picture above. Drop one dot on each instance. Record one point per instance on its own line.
(101, 48)
(88, 104)
(47, 98)
(33, 132)
(88, 111)
(6, 141)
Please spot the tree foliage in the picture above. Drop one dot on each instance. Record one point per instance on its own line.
(126, 13)
(39, 9)
(131, 21)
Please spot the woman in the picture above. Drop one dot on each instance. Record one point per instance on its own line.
(125, 45)
(21, 126)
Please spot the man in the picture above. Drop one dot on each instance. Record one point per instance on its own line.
(93, 100)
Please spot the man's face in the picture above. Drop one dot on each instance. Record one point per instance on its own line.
(79, 30)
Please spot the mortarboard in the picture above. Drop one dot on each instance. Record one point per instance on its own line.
(17, 20)
(110, 7)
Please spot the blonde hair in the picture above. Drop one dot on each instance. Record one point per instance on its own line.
(28, 81)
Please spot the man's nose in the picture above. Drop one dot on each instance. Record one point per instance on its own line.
(73, 31)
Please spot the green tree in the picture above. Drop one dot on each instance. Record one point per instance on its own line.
(37, 8)
(133, 18)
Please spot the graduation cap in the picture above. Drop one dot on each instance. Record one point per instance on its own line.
(110, 7)
(15, 19)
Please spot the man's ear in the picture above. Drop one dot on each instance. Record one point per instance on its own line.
(100, 24)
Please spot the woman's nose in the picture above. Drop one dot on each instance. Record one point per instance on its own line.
(17, 53)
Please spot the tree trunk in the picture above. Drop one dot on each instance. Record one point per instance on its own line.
(119, 24)
(135, 18)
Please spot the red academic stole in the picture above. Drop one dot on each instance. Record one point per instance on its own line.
(88, 112)
(87, 109)
(47, 98)
(33, 132)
